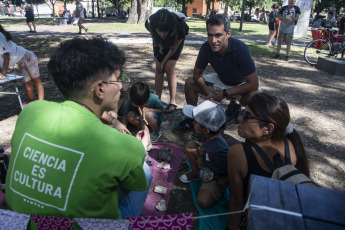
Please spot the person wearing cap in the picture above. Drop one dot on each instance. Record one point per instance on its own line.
(79, 9)
(209, 160)
(235, 75)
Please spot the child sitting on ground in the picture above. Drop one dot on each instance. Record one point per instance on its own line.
(143, 108)
(208, 161)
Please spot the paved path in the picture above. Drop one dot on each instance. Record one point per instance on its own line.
(121, 37)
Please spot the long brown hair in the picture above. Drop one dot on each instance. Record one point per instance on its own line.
(274, 110)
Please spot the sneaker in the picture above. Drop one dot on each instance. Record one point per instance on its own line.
(286, 58)
(277, 56)
(155, 135)
(86, 31)
(183, 125)
(79, 33)
(269, 44)
(232, 111)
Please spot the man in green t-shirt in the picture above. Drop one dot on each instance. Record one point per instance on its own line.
(65, 162)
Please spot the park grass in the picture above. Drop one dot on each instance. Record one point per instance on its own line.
(196, 26)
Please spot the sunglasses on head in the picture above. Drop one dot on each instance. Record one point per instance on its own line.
(247, 115)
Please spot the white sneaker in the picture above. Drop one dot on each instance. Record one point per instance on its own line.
(155, 135)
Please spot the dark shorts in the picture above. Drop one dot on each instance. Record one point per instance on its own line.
(30, 19)
(160, 56)
(272, 26)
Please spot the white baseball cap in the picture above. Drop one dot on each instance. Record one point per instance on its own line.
(208, 114)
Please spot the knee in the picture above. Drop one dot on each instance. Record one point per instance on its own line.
(189, 82)
(203, 203)
(190, 145)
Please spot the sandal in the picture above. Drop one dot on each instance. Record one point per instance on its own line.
(184, 177)
(170, 108)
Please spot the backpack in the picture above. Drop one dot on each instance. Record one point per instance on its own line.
(283, 170)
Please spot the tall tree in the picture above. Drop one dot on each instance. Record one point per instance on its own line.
(140, 11)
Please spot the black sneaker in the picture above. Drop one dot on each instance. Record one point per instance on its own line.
(232, 111)
(183, 125)
(286, 58)
(277, 56)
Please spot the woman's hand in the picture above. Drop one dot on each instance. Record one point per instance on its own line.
(162, 66)
(2, 77)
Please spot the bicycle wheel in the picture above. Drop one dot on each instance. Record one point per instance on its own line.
(315, 49)
(343, 54)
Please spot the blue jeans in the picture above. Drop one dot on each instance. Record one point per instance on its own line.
(131, 203)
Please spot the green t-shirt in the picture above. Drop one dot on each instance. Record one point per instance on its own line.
(65, 162)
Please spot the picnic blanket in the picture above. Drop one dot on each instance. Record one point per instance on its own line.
(222, 206)
(162, 177)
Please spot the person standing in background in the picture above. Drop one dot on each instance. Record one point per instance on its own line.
(272, 22)
(30, 17)
(79, 9)
(288, 17)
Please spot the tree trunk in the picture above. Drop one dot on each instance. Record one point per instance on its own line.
(93, 8)
(99, 15)
(133, 17)
(226, 9)
(250, 13)
(140, 11)
(184, 8)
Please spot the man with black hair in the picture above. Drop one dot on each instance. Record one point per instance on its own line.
(231, 59)
(65, 162)
(330, 21)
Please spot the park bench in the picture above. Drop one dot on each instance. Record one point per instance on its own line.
(11, 78)
(276, 204)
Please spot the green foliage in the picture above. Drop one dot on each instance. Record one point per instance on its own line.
(13, 2)
(327, 5)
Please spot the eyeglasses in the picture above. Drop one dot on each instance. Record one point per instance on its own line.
(246, 116)
(123, 81)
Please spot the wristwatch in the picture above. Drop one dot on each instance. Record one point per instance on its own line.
(225, 94)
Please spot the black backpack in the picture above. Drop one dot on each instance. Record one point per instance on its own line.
(283, 170)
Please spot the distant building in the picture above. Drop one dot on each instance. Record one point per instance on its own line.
(199, 7)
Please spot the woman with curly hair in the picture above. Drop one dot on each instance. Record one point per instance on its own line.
(168, 33)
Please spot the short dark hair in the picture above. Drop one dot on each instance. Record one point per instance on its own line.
(139, 93)
(77, 63)
(219, 19)
(330, 12)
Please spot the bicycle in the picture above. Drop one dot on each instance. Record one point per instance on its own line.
(322, 47)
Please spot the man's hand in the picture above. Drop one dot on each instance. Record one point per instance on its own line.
(119, 126)
(144, 136)
(2, 77)
(216, 95)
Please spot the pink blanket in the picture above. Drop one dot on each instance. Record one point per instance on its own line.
(162, 177)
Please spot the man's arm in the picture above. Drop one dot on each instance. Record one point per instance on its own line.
(251, 84)
(199, 81)
(295, 18)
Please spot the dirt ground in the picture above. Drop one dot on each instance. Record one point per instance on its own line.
(316, 100)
